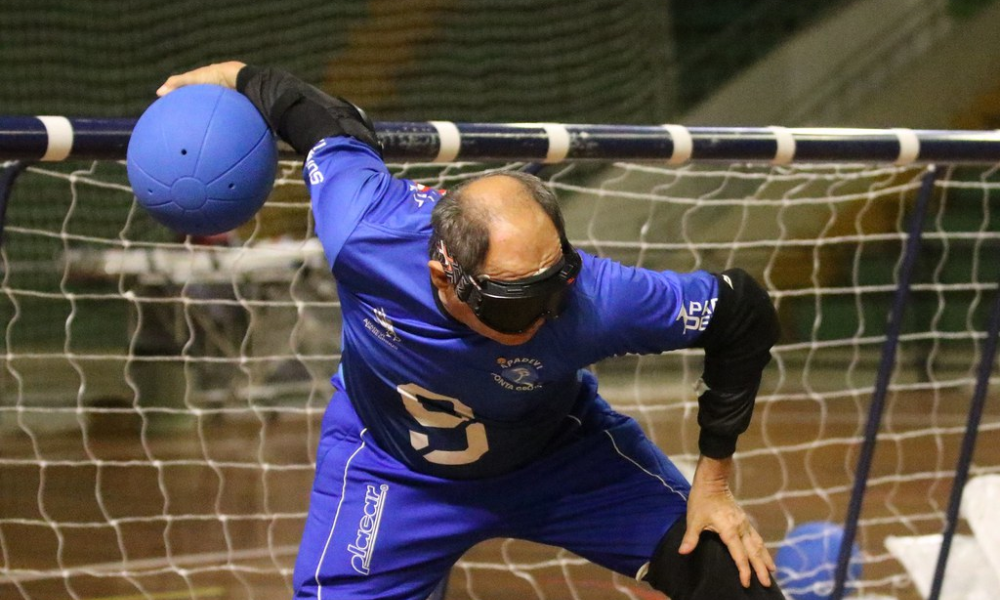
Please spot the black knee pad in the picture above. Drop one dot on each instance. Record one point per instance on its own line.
(708, 573)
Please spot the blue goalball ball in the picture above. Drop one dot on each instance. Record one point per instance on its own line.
(202, 160)
(807, 561)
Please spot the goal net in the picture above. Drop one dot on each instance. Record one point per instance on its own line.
(160, 396)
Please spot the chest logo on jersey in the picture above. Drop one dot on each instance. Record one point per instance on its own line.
(519, 374)
(382, 328)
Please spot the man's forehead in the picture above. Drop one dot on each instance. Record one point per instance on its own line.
(521, 247)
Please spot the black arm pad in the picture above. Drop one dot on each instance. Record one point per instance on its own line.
(723, 415)
(737, 345)
(301, 114)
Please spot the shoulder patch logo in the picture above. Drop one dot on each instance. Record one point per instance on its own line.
(422, 194)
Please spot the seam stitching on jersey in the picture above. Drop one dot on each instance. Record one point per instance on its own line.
(641, 468)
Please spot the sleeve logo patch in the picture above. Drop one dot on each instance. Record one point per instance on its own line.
(311, 168)
(696, 315)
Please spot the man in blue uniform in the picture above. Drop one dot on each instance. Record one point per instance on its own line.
(463, 410)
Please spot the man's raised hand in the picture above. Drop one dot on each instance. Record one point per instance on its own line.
(223, 74)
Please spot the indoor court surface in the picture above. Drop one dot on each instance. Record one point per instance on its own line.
(75, 530)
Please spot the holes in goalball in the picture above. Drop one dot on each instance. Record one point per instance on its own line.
(232, 186)
(184, 151)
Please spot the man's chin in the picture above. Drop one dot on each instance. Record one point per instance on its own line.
(515, 339)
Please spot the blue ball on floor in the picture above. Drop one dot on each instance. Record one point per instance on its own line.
(202, 160)
(807, 561)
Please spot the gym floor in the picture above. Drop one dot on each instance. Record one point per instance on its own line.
(118, 514)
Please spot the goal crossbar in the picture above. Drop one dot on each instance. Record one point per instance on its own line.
(56, 138)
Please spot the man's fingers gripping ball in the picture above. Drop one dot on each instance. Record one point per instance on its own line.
(223, 74)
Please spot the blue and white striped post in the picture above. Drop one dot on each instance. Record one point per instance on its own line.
(61, 138)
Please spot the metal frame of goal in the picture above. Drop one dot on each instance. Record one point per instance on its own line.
(645, 193)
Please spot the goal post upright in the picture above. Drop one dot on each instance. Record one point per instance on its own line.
(964, 462)
(884, 374)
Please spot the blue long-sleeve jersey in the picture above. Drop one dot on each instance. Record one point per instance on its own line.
(439, 397)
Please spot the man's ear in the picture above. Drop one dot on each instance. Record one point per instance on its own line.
(438, 277)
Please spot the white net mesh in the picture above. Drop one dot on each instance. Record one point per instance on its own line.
(160, 397)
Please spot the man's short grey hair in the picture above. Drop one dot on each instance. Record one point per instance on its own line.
(464, 226)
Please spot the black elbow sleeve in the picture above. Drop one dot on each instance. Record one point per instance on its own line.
(301, 114)
(738, 339)
(737, 347)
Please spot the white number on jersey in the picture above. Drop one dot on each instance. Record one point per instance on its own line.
(475, 432)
